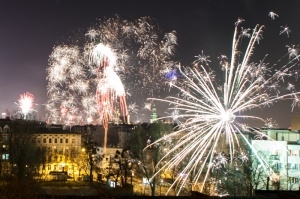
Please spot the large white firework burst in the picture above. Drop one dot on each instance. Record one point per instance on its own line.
(212, 114)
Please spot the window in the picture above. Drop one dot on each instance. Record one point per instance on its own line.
(278, 152)
(44, 140)
(295, 166)
(294, 180)
(5, 156)
(274, 157)
(49, 167)
(67, 140)
(73, 141)
(50, 140)
(5, 138)
(294, 152)
(6, 128)
(55, 140)
(279, 165)
(61, 140)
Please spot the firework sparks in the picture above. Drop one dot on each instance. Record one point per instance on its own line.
(26, 105)
(109, 88)
(273, 15)
(133, 110)
(285, 30)
(116, 52)
(211, 114)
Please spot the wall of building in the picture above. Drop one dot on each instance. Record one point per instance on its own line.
(281, 154)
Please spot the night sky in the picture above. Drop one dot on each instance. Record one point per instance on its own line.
(30, 29)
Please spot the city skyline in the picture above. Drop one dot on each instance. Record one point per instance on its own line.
(31, 29)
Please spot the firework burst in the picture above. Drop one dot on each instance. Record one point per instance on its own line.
(213, 110)
(116, 52)
(26, 105)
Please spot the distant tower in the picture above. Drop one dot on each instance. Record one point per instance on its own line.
(153, 117)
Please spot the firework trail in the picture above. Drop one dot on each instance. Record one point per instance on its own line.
(141, 58)
(109, 88)
(212, 109)
(26, 105)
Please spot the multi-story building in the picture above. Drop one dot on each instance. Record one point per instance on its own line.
(279, 159)
(5, 129)
(62, 150)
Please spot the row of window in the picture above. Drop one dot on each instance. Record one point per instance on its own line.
(61, 158)
(294, 180)
(56, 167)
(289, 166)
(60, 150)
(53, 140)
(290, 152)
(294, 153)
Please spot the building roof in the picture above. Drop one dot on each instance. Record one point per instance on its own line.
(47, 130)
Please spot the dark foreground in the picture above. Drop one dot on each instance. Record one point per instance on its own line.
(17, 189)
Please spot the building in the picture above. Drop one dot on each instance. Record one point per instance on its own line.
(280, 157)
(62, 150)
(5, 129)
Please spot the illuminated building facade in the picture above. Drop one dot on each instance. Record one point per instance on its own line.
(62, 150)
(281, 153)
(5, 129)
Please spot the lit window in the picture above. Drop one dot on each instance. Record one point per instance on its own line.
(5, 156)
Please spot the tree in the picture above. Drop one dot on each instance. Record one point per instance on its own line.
(25, 157)
(147, 157)
(91, 158)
